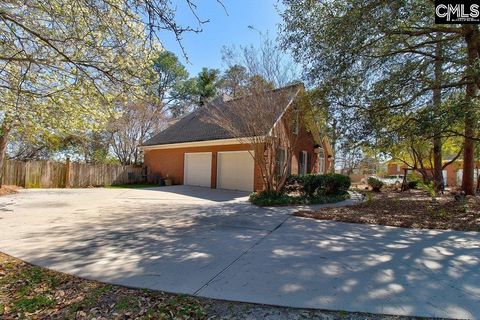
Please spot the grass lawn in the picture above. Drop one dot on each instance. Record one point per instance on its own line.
(409, 209)
(132, 186)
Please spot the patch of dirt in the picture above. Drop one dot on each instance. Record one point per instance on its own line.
(410, 209)
(31, 292)
(6, 190)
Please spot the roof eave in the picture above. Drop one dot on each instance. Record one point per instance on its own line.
(205, 143)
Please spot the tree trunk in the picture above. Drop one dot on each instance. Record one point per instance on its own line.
(3, 146)
(437, 101)
(472, 39)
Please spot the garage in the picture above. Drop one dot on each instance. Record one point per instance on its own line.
(235, 170)
(198, 169)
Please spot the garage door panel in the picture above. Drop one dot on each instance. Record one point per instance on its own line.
(235, 171)
(198, 169)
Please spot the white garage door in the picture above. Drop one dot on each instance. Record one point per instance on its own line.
(198, 169)
(235, 170)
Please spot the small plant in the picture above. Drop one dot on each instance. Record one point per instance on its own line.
(375, 184)
(429, 188)
(369, 198)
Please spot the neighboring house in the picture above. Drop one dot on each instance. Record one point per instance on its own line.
(194, 151)
(452, 174)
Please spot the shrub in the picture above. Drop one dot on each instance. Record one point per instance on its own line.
(412, 184)
(428, 187)
(294, 184)
(314, 185)
(334, 183)
(266, 198)
(375, 184)
(412, 181)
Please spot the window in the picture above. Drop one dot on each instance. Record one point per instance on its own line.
(398, 168)
(321, 161)
(303, 163)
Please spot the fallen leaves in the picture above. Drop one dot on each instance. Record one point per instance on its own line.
(35, 293)
(414, 209)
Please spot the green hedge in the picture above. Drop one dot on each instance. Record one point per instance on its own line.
(307, 189)
(312, 185)
(270, 199)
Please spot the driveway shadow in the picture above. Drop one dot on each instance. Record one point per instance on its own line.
(182, 192)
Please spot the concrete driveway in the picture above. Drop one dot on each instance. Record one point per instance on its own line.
(213, 243)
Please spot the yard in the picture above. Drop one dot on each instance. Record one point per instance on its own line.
(411, 209)
(33, 292)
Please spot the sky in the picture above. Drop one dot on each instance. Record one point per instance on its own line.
(227, 27)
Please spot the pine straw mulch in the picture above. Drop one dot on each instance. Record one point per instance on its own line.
(32, 292)
(6, 190)
(410, 209)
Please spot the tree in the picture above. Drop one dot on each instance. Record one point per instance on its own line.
(64, 63)
(170, 74)
(138, 122)
(234, 80)
(141, 118)
(185, 98)
(253, 119)
(379, 55)
(207, 86)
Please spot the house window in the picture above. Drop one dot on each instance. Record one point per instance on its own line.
(321, 161)
(398, 168)
(303, 163)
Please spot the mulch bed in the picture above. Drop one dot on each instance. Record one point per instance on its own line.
(411, 209)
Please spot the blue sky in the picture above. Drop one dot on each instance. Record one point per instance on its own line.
(204, 49)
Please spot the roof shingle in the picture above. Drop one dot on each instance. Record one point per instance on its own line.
(196, 126)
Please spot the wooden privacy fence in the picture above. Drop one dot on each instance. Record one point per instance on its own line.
(50, 174)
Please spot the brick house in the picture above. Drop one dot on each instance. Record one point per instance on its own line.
(452, 174)
(195, 151)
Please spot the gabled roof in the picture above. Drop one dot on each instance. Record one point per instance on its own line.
(195, 126)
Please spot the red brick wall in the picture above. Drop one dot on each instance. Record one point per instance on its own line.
(392, 168)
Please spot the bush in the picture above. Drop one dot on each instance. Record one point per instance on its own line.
(412, 184)
(375, 184)
(335, 184)
(314, 185)
(428, 187)
(412, 181)
(266, 198)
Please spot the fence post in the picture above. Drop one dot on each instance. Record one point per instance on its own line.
(27, 173)
(67, 173)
